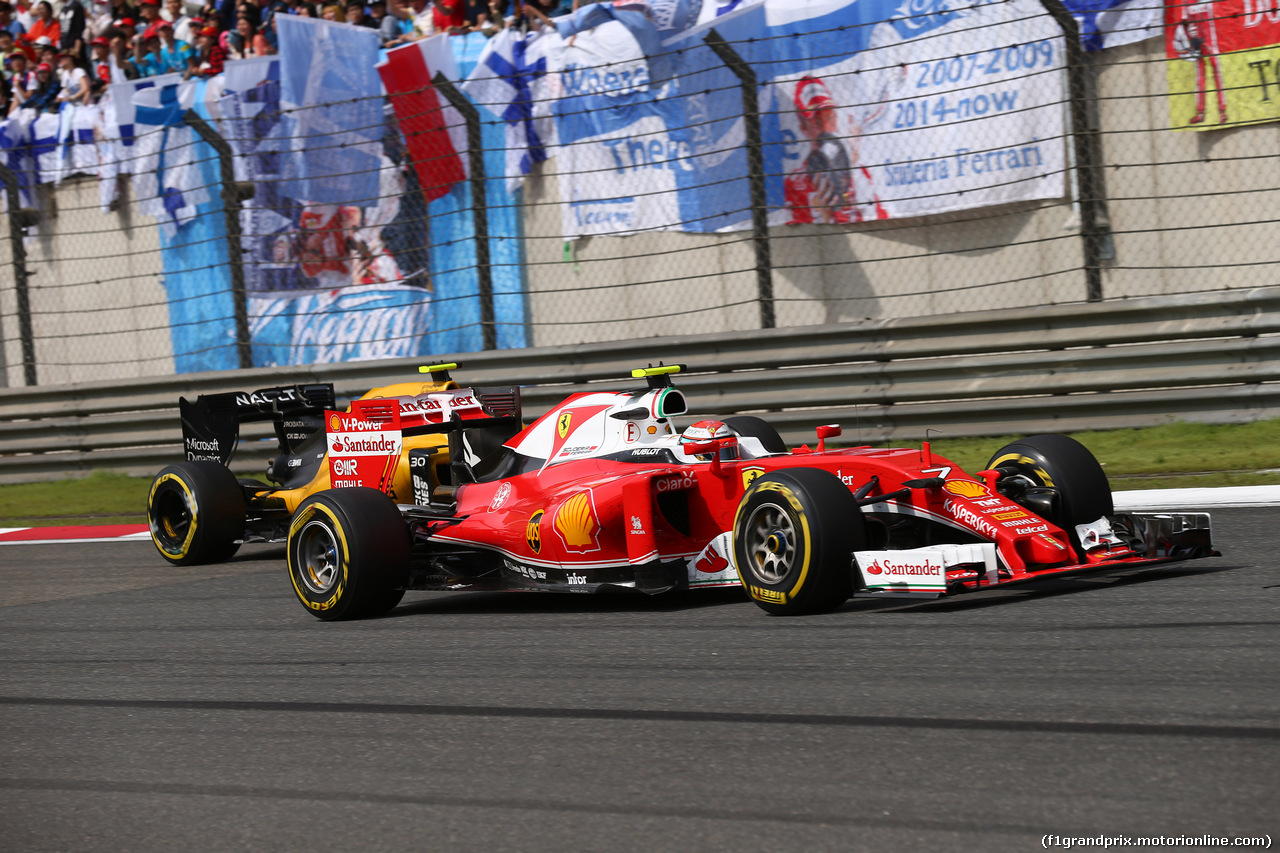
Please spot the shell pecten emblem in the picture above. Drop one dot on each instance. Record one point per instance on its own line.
(335, 424)
(966, 488)
(577, 525)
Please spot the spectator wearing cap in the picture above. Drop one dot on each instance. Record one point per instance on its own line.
(46, 52)
(175, 56)
(146, 55)
(44, 98)
(22, 80)
(8, 23)
(71, 23)
(73, 80)
(210, 57)
(149, 11)
(100, 63)
(126, 27)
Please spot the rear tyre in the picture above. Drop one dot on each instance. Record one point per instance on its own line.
(793, 541)
(348, 554)
(1065, 466)
(195, 511)
(754, 427)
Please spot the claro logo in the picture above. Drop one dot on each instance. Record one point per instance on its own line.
(675, 484)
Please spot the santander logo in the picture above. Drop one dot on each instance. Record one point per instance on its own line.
(874, 568)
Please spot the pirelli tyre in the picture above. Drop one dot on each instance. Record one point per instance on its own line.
(793, 538)
(195, 511)
(348, 554)
(1077, 483)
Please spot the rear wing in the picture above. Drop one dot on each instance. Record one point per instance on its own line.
(211, 425)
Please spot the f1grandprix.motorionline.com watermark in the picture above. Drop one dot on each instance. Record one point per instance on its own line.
(1107, 841)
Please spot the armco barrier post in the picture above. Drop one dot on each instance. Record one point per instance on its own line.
(233, 194)
(1084, 144)
(755, 172)
(18, 220)
(479, 206)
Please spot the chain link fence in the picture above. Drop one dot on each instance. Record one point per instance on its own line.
(765, 171)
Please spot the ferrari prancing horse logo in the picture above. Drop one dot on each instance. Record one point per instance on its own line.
(562, 424)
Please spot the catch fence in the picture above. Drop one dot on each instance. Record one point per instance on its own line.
(743, 175)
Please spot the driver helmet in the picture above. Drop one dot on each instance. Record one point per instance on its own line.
(709, 430)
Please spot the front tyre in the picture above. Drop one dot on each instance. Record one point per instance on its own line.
(348, 554)
(793, 541)
(195, 512)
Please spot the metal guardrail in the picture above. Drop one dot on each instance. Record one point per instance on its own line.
(1129, 363)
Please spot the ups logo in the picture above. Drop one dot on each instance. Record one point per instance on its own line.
(533, 532)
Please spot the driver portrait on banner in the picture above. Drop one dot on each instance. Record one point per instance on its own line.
(1195, 38)
(829, 185)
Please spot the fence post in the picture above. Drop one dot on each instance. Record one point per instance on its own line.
(755, 172)
(479, 206)
(1088, 178)
(233, 194)
(18, 220)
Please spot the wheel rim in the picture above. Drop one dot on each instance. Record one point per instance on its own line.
(770, 543)
(317, 552)
(172, 520)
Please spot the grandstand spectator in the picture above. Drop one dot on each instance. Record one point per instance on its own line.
(394, 29)
(267, 11)
(73, 80)
(100, 64)
(71, 24)
(99, 18)
(449, 16)
(22, 79)
(7, 45)
(149, 11)
(302, 9)
(126, 28)
(146, 55)
(8, 23)
(175, 56)
(44, 26)
(377, 12)
(246, 41)
(421, 16)
(44, 97)
(354, 14)
(332, 12)
(210, 56)
(119, 52)
(46, 52)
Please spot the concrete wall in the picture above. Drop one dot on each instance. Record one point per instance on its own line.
(98, 306)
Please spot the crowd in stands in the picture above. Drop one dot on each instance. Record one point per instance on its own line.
(72, 53)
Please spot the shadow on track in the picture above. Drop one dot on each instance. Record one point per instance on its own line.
(534, 602)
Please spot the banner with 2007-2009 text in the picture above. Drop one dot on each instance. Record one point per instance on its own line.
(870, 109)
(1224, 62)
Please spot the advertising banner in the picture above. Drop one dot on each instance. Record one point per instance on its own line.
(1224, 62)
(364, 445)
(869, 110)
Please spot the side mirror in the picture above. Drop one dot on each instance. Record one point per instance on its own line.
(714, 446)
(827, 431)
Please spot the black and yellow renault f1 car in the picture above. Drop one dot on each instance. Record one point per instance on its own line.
(200, 512)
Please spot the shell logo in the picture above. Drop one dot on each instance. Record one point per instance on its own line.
(966, 488)
(576, 523)
(335, 425)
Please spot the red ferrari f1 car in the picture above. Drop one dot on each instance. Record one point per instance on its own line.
(602, 494)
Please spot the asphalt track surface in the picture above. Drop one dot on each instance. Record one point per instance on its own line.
(146, 708)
